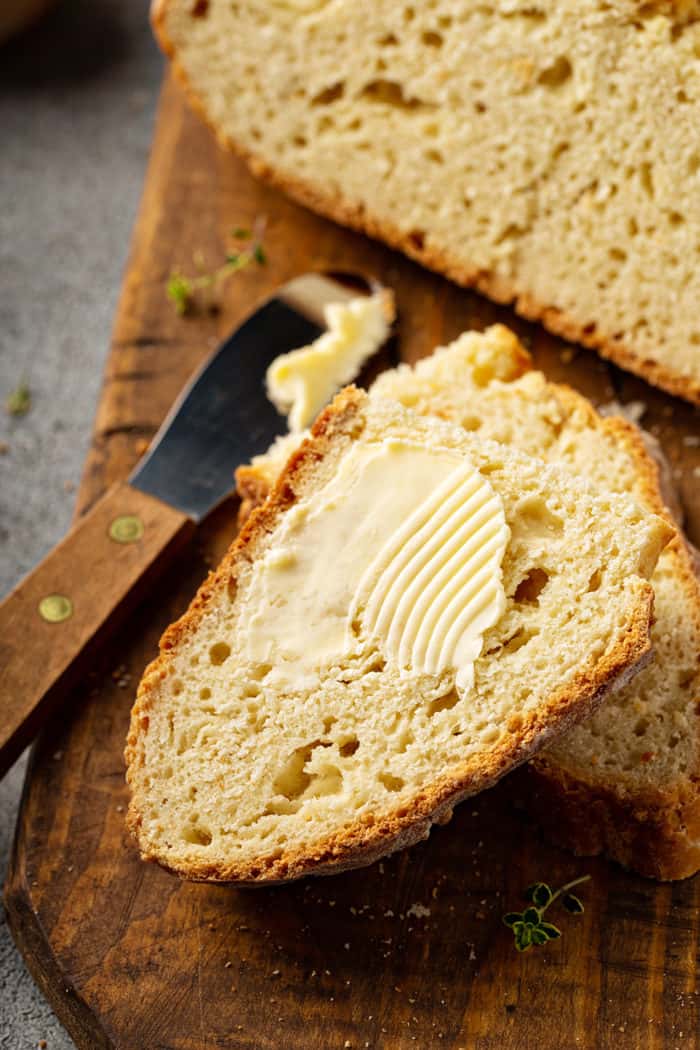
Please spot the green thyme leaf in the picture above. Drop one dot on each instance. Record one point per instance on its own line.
(19, 401)
(180, 291)
(539, 936)
(241, 233)
(532, 916)
(259, 255)
(551, 932)
(512, 917)
(541, 894)
(523, 939)
(572, 904)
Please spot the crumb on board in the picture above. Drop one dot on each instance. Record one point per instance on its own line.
(418, 910)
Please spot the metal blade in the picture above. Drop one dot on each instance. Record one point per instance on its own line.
(223, 416)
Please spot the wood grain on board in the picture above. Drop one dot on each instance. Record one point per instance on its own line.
(410, 952)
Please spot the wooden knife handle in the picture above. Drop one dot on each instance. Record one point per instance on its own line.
(52, 623)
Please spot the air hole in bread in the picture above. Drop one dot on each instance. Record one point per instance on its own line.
(205, 693)
(259, 671)
(595, 580)
(177, 687)
(533, 517)
(329, 94)
(471, 423)
(432, 39)
(391, 783)
(443, 703)
(197, 835)
(349, 747)
(557, 74)
(531, 586)
(328, 723)
(219, 652)
(292, 780)
(641, 727)
(391, 93)
(328, 781)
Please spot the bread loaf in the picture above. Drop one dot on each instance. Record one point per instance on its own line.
(547, 154)
(264, 745)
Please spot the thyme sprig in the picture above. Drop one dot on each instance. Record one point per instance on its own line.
(19, 401)
(183, 291)
(528, 926)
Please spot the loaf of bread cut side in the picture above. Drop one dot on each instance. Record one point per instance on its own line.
(236, 776)
(548, 155)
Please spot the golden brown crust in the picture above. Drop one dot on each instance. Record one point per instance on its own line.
(357, 216)
(375, 835)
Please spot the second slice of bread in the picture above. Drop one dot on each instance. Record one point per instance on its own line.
(235, 777)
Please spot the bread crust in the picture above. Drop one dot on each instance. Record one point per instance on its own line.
(358, 217)
(373, 836)
(656, 835)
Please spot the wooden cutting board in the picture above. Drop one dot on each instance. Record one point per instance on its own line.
(409, 953)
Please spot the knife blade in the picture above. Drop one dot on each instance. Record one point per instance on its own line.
(53, 622)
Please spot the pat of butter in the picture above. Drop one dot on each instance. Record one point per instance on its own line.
(303, 381)
(401, 552)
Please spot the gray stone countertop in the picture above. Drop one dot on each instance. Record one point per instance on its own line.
(77, 100)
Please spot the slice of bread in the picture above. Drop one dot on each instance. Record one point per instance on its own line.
(624, 782)
(548, 155)
(239, 773)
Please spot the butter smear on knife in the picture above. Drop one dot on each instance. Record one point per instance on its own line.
(303, 381)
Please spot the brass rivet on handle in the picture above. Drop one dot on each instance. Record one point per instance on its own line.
(127, 528)
(55, 608)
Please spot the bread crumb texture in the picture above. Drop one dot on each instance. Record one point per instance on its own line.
(236, 778)
(547, 153)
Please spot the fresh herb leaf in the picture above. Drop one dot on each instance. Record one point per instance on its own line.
(541, 894)
(19, 401)
(182, 290)
(528, 926)
(523, 939)
(572, 904)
